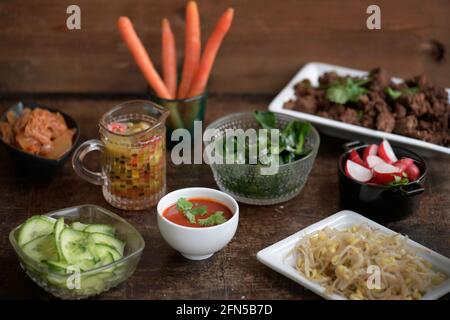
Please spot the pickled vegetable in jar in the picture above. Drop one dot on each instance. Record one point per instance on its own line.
(133, 144)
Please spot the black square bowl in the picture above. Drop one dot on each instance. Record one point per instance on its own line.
(34, 164)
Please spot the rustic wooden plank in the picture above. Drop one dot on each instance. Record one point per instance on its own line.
(233, 273)
(267, 44)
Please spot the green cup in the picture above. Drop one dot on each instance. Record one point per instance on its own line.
(183, 113)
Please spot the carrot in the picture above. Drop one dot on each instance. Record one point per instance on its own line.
(141, 57)
(209, 55)
(192, 47)
(169, 58)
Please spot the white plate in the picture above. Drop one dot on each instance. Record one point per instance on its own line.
(279, 258)
(313, 71)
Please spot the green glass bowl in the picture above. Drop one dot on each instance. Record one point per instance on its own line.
(92, 282)
(245, 182)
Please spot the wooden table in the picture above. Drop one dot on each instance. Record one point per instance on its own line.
(234, 272)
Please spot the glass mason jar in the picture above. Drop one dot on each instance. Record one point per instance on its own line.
(133, 169)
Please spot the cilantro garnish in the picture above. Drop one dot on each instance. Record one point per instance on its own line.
(187, 208)
(395, 94)
(214, 219)
(398, 181)
(347, 90)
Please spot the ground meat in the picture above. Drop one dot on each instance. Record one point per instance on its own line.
(416, 102)
(328, 78)
(349, 115)
(289, 104)
(438, 107)
(406, 126)
(385, 121)
(304, 88)
(368, 122)
(380, 79)
(400, 111)
(417, 108)
(307, 104)
(335, 111)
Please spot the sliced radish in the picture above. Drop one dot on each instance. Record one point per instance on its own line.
(385, 173)
(372, 161)
(354, 156)
(386, 153)
(413, 172)
(370, 150)
(357, 172)
(403, 163)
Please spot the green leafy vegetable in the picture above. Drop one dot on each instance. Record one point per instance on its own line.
(293, 137)
(187, 208)
(214, 219)
(360, 114)
(395, 94)
(289, 147)
(399, 181)
(199, 210)
(348, 90)
(411, 90)
(184, 205)
(266, 119)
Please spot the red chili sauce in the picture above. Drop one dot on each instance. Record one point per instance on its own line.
(174, 215)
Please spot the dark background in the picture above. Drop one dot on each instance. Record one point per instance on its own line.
(268, 42)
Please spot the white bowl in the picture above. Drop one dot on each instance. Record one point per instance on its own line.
(197, 243)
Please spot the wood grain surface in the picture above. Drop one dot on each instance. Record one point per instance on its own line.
(234, 272)
(268, 42)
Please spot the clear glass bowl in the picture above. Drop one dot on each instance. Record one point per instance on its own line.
(245, 182)
(94, 281)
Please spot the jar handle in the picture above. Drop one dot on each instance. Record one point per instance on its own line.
(78, 157)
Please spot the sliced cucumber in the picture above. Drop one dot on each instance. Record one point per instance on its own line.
(92, 284)
(78, 226)
(57, 266)
(57, 280)
(86, 264)
(100, 238)
(74, 246)
(62, 250)
(59, 227)
(100, 228)
(41, 249)
(33, 228)
(102, 250)
(106, 260)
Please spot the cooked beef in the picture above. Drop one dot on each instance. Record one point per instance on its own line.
(328, 78)
(406, 126)
(307, 103)
(349, 115)
(385, 121)
(304, 88)
(379, 79)
(399, 111)
(416, 102)
(414, 108)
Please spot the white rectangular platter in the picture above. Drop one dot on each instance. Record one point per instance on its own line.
(313, 71)
(279, 255)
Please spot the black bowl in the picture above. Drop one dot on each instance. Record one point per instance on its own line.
(34, 164)
(378, 202)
